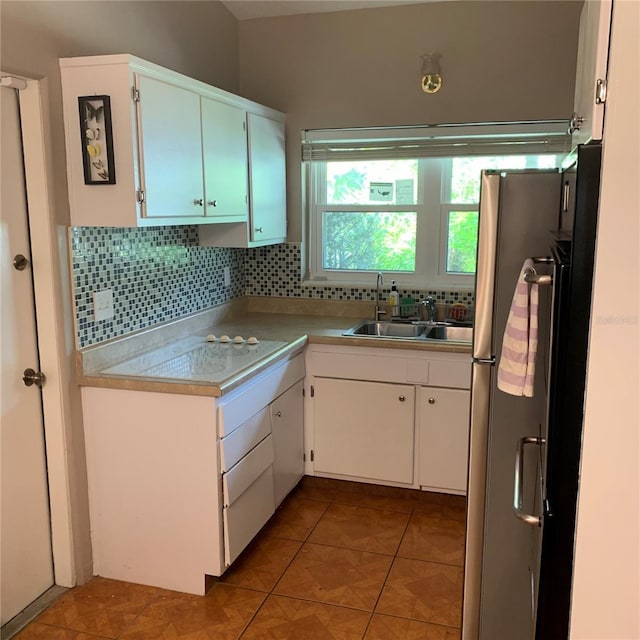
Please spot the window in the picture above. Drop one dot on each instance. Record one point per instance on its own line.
(375, 208)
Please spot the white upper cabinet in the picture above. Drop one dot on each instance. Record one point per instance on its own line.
(267, 169)
(147, 146)
(224, 148)
(591, 72)
(267, 222)
(171, 150)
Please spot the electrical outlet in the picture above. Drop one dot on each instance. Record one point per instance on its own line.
(102, 305)
(227, 276)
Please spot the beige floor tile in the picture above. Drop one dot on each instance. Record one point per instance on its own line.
(295, 518)
(423, 591)
(37, 631)
(335, 576)
(262, 563)
(360, 528)
(390, 628)
(102, 606)
(433, 539)
(221, 615)
(283, 618)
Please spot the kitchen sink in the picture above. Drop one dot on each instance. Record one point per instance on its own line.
(452, 331)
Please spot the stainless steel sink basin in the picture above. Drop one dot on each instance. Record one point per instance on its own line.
(387, 329)
(455, 332)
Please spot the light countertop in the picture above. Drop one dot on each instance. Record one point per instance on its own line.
(179, 359)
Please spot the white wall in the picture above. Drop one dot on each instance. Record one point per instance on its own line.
(606, 592)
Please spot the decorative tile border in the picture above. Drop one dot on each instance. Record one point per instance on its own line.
(159, 274)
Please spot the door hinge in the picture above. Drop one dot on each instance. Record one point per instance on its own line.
(601, 91)
(135, 94)
(313, 391)
(140, 196)
(311, 456)
(244, 126)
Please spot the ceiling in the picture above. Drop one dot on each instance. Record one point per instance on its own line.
(249, 9)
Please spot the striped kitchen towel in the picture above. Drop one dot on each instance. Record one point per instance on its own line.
(516, 371)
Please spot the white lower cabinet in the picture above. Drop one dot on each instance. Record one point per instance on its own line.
(443, 434)
(179, 484)
(388, 416)
(288, 441)
(364, 429)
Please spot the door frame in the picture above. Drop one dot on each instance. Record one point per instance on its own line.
(52, 297)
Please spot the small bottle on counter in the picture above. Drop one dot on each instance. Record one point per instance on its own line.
(394, 299)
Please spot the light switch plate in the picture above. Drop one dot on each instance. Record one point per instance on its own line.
(227, 277)
(102, 305)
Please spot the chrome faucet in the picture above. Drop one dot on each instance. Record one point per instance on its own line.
(429, 303)
(379, 283)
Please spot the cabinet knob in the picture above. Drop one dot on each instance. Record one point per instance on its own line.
(212, 203)
(278, 414)
(401, 398)
(259, 229)
(431, 400)
(198, 201)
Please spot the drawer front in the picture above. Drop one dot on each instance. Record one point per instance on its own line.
(247, 515)
(242, 403)
(244, 438)
(448, 373)
(238, 479)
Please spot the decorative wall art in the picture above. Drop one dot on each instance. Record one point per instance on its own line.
(97, 140)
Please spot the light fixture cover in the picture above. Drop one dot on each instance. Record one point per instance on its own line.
(431, 78)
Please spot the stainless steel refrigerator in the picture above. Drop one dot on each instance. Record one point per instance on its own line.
(524, 451)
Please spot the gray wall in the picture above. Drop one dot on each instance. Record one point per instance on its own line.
(199, 39)
(500, 61)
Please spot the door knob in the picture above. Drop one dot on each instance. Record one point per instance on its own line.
(20, 262)
(30, 377)
(431, 400)
(401, 398)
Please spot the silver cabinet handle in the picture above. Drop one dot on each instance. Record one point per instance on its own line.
(198, 202)
(212, 203)
(278, 414)
(401, 398)
(431, 400)
(259, 229)
(518, 489)
(575, 123)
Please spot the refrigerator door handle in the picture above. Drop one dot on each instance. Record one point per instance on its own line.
(518, 489)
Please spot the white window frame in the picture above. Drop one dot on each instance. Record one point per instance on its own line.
(433, 197)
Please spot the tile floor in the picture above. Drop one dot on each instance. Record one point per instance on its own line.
(338, 561)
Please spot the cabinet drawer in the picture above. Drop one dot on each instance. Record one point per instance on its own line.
(245, 401)
(448, 373)
(244, 438)
(247, 515)
(238, 479)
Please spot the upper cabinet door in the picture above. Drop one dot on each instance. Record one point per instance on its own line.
(224, 141)
(268, 179)
(591, 71)
(171, 150)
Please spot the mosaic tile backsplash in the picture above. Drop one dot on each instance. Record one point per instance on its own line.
(156, 274)
(159, 274)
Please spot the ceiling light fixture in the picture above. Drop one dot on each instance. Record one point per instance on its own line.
(431, 78)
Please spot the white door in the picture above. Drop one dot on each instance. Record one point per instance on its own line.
(27, 568)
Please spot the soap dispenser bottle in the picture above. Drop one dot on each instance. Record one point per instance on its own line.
(394, 299)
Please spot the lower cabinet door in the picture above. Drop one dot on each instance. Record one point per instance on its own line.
(364, 429)
(287, 433)
(443, 423)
